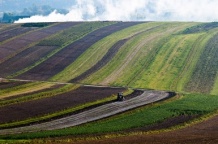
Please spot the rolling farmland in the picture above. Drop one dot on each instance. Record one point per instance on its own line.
(60, 70)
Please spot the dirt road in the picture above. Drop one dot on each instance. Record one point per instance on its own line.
(93, 114)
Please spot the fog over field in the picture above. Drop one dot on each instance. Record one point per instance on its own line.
(134, 10)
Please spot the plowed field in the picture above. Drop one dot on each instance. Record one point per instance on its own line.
(15, 45)
(66, 56)
(48, 105)
(14, 32)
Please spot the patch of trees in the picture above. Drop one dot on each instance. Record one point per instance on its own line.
(35, 24)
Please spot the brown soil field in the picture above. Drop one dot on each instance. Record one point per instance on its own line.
(4, 85)
(82, 95)
(202, 133)
(15, 45)
(6, 27)
(107, 57)
(35, 92)
(24, 59)
(66, 56)
(14, 32)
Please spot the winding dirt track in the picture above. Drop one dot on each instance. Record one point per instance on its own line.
(93, 114)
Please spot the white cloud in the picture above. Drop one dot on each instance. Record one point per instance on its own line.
(127, 10)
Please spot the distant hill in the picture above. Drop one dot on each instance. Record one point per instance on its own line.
(10, 18)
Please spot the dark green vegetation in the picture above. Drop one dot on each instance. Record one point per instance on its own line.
(35, 24)
(172, 56)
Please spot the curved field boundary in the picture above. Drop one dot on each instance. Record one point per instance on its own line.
(14, 32)
(47, 47)
(122, 71)
(23, 89)
(205, 73)
(66, 56)
(4, 85)
(14, 46)
(28, 96)
(6, 27)
(24, 59)
(40, 107)
(93, 114)
(106, 58)
(190, 62)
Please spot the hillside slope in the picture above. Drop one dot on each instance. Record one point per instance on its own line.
(156, 55)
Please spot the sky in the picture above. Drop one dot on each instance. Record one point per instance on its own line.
(122, 10)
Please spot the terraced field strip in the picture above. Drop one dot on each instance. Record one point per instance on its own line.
(46, 48)
(14, 32)
(14, 46)
(197, 47)
(69, 54)
(23, 89)
(99, 50)
(106, 58)
(205, 73)
(93, 114)
(134, 56)
(6, 27)
(151, 51)
(109, 55)
(42, 93)
(24, 59)
(9, 84)
(59, 102)
(168, 64)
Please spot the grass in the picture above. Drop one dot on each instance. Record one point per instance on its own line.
(133, 56)
(167, 64)
(117, 60)
(182, 79)
(97, 51)
(205, 72)
(188, 104)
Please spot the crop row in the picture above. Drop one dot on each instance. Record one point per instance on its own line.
(99, 50)
(21, 42)
(134, 57)
(42, 51)
(205, 72)
(32, 54)
(57, 62)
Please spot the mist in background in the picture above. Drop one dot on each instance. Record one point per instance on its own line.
(130, 10)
